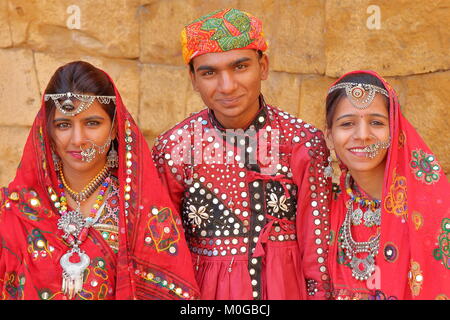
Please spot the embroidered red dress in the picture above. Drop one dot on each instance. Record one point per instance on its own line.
(256, 229)
(137, 248)
(413, 261)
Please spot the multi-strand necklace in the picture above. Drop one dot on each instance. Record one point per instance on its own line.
(362, 268)
(89, 189)
(76, 229)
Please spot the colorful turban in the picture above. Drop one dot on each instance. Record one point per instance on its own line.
(222, 31)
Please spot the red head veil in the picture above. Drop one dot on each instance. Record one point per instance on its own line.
(414, 254)
(153, 261)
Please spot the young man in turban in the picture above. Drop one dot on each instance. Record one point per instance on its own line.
(247, 177)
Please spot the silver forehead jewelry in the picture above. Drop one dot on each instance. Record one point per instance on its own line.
(360, 95)
(68, 108)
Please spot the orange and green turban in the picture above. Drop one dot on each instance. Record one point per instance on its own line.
(221, 31)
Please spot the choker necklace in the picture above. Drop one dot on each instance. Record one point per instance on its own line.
(90, 187)
(76, 230)
(362, 268)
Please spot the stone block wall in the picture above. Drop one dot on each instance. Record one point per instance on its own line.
(311, 43)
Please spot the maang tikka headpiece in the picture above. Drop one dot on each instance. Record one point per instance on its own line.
(68, 108)
(360, 95)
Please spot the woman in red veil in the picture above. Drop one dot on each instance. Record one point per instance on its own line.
(390, 216)
(81, 220)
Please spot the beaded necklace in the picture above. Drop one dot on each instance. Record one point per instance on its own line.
(89, 189)
(362, 268)
(76, 229)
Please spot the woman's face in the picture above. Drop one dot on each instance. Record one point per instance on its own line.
(353, 129)
(71, 133)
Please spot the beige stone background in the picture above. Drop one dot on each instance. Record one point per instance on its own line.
(312, 42)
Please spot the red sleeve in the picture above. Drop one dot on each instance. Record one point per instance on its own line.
(308, 162)
(171, 173)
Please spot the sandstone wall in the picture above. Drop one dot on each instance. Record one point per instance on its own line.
(311, 43)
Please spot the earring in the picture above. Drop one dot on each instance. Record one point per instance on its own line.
(112, 160)
(56, 161)
(328, 171)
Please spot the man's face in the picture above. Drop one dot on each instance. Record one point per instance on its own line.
(230, 83)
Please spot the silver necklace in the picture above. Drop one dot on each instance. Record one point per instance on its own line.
(73, 224)
(372, 215)
(362, 268)
(76, 229)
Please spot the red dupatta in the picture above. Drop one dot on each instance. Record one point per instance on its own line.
(414, 254)
(153, 261)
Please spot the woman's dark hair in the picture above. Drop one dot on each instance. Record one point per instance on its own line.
(335, 97)
(79, 77)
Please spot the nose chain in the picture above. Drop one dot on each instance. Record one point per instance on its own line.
(89, 153)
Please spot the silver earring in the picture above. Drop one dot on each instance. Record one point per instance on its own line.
(328, 171)
(112, 160)
(56, 161)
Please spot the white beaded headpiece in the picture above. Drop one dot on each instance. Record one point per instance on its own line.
(360, 95)
(68, 108)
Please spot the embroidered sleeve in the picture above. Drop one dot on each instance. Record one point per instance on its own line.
(308, 162)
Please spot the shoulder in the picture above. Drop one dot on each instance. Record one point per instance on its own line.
(295, 131)
(180, 131)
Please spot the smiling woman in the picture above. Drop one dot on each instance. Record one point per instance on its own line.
(81, 220)
(353, 130)
(389, 225)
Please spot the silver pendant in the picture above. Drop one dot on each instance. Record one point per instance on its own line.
(73, 273)
(71, 223)
(369, 218)
(377, 217)
(362, 269)
(372, 217)
(357, 217)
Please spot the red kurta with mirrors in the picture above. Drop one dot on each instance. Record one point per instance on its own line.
(136, 249)
(252, 234)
